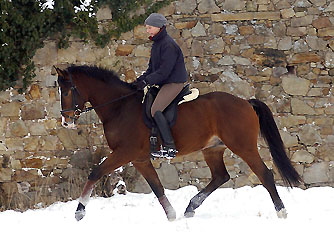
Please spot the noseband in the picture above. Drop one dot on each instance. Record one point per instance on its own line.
(75, 106)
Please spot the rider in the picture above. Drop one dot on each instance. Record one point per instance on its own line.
(167, 70)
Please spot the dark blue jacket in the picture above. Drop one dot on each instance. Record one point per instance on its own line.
(166, 63)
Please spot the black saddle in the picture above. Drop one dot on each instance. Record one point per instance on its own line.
(170, 112)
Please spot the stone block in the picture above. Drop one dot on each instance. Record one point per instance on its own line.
(289, 140)
(50, 143)
(329, 59)
(33, 111)
(325, 32)
(299, 107)
(305, 58)
(232, 5)
(246, 30)
(168, 176)
(316, 43)
(293, 85)
(285, 43)
(14, 144)
(309, 135)
(72, 139)
(51, 80)
(322, 22)
(301, 21)
(317, 173)
(25, 175)
(197, 48)
(32, 143)
(302, 156)
(5, 174)
(9, 188)
(18, 128)
(53, 110)
(124, 50)
(10, 109)
(46, 55)
(36, 128)
(330, 7)
(68, 56)
(139, 32)
(248, 16)
(200, 173)
(287, 13)
(215, 46)
(34, 92)
(198, 30)
(208, 6)
(185, 6)
(296, 31)
(32, 163)
(103, 14)
(185, 25)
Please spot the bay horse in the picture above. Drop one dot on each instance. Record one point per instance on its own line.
(210, 124)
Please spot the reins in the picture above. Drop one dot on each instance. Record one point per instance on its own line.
(107, 103)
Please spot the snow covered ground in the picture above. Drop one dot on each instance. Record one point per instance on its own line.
(241, 218)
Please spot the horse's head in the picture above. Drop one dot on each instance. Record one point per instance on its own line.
(71, 102)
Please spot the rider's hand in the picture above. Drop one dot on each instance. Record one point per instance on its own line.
(140, 84)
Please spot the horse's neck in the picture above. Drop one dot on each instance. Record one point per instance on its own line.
(102, 94)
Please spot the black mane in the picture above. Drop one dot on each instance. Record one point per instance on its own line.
(98, 73)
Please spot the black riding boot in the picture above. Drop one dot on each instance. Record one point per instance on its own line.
(169, 150)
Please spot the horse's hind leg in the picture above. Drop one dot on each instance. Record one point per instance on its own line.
(214, 159)
(266, 177)
(151, 176)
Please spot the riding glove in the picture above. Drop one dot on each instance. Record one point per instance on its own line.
(140, 84)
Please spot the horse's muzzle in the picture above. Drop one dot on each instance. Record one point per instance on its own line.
(65, 124)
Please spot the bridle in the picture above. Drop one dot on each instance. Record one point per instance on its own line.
(75, 106)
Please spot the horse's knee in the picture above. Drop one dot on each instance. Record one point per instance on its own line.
(95, 175)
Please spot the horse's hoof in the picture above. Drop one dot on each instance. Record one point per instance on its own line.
(189, 214)
(171, 217)
(80, 212)
(171, 214)
(282, 214)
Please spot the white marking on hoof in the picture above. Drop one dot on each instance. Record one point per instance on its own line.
(80, 214)
(171, 214)
(282, 214)
(189, 214)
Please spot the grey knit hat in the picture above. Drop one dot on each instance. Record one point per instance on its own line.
(156, 20)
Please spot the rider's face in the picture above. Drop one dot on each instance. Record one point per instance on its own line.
(152, 30)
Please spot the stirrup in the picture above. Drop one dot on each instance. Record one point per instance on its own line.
(170, 153)
(158, 153)
(165, 152)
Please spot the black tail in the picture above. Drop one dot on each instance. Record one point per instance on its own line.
(273, 138)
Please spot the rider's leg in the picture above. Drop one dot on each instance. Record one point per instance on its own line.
(166, 95)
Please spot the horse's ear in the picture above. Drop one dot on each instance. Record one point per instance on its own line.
(60, 72)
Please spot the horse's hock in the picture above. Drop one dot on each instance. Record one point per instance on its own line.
(281, 52)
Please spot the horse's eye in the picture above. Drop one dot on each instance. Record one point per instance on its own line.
(65, 94)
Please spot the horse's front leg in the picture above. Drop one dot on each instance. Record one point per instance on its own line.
(115, 160)
(151, 176)
(84, 199)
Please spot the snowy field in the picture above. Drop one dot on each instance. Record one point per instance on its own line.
(241, 218)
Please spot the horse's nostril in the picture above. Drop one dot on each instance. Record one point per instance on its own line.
(65, 124)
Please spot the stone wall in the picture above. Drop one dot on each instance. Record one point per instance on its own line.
(279, 51)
